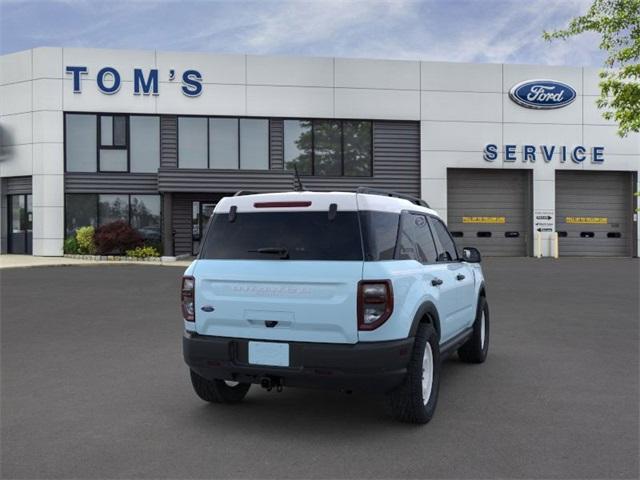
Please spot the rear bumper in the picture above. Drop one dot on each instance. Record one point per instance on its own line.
(375, 366)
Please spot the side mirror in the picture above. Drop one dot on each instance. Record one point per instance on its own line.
(471, 255)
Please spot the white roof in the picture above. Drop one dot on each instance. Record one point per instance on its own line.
(317, 201)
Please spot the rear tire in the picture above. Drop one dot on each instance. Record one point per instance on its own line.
(218, 391)
(475, 349)
(415, 400)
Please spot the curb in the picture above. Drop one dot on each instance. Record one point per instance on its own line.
(117, 258)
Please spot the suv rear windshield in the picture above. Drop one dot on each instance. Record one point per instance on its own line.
(283, 235)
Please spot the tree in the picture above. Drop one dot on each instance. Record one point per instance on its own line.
(618, 23)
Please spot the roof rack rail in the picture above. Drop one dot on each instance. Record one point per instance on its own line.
(388, 193)
(241, 193)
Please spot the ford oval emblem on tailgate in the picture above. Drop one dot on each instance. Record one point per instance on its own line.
(207, 308)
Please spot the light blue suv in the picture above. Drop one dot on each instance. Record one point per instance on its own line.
(352, 291)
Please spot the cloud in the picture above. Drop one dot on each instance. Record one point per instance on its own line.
(454, 30)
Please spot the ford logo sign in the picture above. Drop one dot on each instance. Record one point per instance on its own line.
(542, 94)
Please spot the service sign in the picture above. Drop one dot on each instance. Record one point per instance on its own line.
(511, 152)
(542, 94)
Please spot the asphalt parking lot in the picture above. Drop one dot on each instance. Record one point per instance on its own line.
(93, 386)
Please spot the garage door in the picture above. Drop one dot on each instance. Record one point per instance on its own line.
(489, 210)
(594, 213)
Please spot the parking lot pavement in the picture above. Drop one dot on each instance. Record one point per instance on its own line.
(93, 386)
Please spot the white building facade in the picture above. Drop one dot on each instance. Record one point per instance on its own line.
(155, 138)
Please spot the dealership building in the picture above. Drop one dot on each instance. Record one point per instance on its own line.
(516, 158)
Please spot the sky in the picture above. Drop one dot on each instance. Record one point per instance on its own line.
(486, 31)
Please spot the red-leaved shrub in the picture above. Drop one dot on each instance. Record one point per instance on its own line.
(116, 238)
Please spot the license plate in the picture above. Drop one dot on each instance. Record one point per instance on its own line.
(269, 353)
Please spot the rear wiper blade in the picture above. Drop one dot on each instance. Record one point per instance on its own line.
(283, 252)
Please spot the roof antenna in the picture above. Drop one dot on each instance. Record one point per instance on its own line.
(297, 184)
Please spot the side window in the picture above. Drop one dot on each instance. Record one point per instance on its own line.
(447, 251)
(379, 232)
(414, 240)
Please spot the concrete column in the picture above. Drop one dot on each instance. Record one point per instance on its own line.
(544, 203)
(636, 214)
(433, 182)
(167, 224)
(3, 216)
(48, 184)
(48, 152)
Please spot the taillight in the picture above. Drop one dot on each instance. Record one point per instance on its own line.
(375, 303)
(187, 298)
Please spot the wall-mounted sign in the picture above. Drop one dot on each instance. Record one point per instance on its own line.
(542, 94)
(108, 80)
(533, 153)
(544, 220)
(490, 220)
(587, 220)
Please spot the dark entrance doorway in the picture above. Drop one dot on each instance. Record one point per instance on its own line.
(20, 223)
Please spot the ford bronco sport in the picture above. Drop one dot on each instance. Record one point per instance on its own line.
(352, 291)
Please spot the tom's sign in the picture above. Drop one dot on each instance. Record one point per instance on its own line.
(542, 94)
(108, 80)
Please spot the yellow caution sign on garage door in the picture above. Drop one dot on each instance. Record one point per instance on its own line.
(493, 220)
(587, 220)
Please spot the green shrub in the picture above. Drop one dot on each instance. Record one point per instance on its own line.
(70, 245)
(143, 252)
(86, 244)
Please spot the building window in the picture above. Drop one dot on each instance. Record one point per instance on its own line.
(146, 217)
(112, 143)
(145, 143)
(254, 144)
(113, 131)
(192, 142)
(357, 148)
(297, 146)
(80, 211)
(329, 147)
(80, 142)
(112, 208)
(224, 143)
(142, 212)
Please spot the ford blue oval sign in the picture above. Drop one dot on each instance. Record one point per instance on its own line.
(542, 94)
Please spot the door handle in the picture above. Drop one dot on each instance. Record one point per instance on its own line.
(436, 281)
(460, 277)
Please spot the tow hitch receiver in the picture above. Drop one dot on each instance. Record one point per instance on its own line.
(269, 383)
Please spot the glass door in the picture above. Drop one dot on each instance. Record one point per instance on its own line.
(20, 224)
(201, 213)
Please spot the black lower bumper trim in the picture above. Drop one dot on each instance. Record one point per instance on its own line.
(370, 366)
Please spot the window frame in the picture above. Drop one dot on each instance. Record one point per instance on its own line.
(64, 138)
(239, 143)
(284, 144)
(120, 194)
(101, 147)
(341, 121)
(153, 115)
(438, 243)
(403, 213)
(98, 115)
(268, 119)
